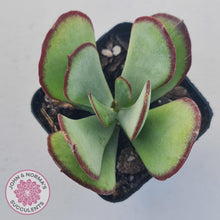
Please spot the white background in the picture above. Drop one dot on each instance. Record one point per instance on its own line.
(193, 193)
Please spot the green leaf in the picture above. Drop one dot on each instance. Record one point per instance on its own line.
(167, 137)
(151, 55)
(105, 114)
(85, 75)
(70, 30)
(88, 140)
(123, 93)
(65, 160)
(132, 119)
(181, 40)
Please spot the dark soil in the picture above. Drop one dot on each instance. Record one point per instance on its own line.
(131, 174)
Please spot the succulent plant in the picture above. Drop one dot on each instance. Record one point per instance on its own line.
(158, 58)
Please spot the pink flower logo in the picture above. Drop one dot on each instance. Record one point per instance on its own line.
(27, 192)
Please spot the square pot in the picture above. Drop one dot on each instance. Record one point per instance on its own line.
(131, 174)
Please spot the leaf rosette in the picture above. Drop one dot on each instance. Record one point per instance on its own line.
(158, 59)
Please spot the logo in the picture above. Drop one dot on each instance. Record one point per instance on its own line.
(27, 192)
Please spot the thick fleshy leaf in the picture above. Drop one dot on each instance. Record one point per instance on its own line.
(151, 55)
(181, 40)
(88, 140)
(123, 93)
(167, 137)
(85, 75)
(65, 160)
(70, 30)
(133, 118)
(105, 114)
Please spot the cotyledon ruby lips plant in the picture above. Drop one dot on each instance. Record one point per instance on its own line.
(158, 58)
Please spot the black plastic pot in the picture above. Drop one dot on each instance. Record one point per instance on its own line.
(46, 110)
